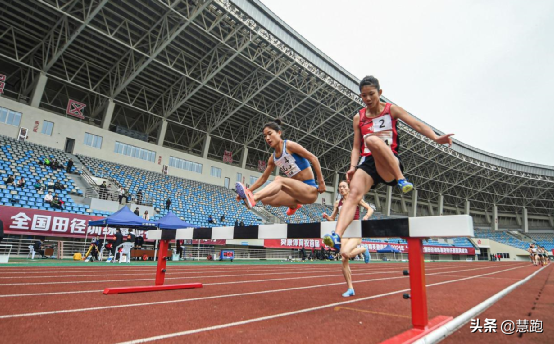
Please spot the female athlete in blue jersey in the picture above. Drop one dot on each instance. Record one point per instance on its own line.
(294, 161)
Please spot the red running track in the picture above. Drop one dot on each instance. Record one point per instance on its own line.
(241, 303)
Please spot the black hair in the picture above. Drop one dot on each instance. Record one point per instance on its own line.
(370, 80)
(275, 125)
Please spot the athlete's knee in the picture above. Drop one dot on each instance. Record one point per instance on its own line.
(344, 254)
(373, 142)
(355, 195)
(278, 179)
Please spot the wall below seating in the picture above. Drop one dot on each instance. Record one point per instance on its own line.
(67, 127)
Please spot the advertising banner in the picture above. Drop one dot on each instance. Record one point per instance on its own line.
(373, 246)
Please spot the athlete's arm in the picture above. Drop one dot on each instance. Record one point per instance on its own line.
(268, 170)
(355, 155)
(368, 208)
(422, 128)
(334, 214)
(294, 147)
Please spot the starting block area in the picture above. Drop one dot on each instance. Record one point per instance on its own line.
(414, 230)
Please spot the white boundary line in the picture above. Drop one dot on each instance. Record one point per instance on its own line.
(305, 310)
(230, 295)
(453, 325)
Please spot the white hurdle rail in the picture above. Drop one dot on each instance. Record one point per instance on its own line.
(414, 227)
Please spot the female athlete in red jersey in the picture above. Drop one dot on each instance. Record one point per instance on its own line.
(376, 141)
(350, 247)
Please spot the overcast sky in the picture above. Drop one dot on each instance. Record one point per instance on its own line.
(481, 69)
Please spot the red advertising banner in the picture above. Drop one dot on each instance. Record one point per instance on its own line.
(293, 243)
(28, 221)
(373, 246)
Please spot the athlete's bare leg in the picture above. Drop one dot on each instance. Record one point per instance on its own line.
(385, 162)
(280, 199)
(359, 186)
(303, 193)
(349, 247)
(347, 273)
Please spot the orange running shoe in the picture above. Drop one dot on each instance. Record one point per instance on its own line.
(291, 211)
(246, 195)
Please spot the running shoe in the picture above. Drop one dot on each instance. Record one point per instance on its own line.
(332, 240)
(405, 185)
(291, 211)
(367, 256)
(349, 292)
(246, 195)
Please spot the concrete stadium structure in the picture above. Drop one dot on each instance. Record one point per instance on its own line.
(199, 78)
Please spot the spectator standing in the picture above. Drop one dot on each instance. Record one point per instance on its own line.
(137, 212)
(38, 248)
(236, 223)
(21, 183)
(222, 218)
(121, 192)
(48, 197)
(103, 189)
(146, 216)
(241, 224)
(10, 179)
(167, 203)
(118, 241)
(139, 197)
(69, 166)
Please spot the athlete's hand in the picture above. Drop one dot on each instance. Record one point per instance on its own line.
(444, 139)
(321, 186)
(366, 218)
(350, 174)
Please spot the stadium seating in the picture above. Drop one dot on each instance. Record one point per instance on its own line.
(191, 200)
(21, 159)
(502, 237)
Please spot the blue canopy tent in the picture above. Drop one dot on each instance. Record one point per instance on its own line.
(171, 221)
(124, 217)
(390, 249)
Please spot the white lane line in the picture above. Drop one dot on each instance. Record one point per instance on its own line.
(177, 278)
(280, 315)
(447, 329)
(223, 296)
(211, 284)
(153, 272)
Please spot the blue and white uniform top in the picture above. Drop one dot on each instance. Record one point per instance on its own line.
(290, 164)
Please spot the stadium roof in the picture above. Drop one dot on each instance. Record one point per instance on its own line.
(224, 68)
